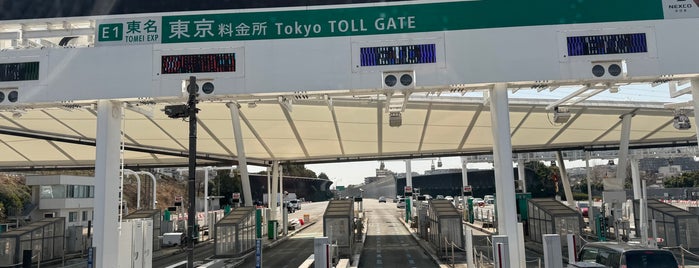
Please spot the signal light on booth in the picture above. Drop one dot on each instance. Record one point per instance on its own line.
(608, 69)
(206, 85)
(10, 96)
(13, 96)
(207, 88)
(399, 80)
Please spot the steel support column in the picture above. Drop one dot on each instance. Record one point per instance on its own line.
(623, 151)
(206, 197)
(564, 178)
(521, 174)
(273, 200)
(504, 175)
(408, 182)
(107, 159)
(635, 178)
(464, 180)
(588, 178)
(242, 161)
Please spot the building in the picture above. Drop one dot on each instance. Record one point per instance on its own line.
(71, 197)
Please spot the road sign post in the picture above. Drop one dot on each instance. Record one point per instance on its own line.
(258, 253)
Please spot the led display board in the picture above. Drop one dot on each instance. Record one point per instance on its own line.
(198, 63)
(19, 71)
(397, 55)
(607, 44)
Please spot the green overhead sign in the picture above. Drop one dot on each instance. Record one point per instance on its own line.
(384, 19)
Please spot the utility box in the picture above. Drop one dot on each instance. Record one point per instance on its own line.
(338, 225)
(75, 238)
(136, 243)
(272, 229)
(155, 216)
(173, 239)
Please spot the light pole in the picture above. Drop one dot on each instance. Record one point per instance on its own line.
(189, 110)
(191, 214)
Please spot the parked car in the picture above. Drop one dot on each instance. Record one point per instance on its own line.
(617, 255)
(401, 203)
(382, 199)
(439, 197)
(583, 207)
(296, 204)
(478, 202)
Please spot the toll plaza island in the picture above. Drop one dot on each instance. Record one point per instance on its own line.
(266, 83)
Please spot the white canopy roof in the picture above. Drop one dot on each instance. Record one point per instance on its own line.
(323, 130)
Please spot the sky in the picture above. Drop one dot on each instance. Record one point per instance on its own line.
(347, 173)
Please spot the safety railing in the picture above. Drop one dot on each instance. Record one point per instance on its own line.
(447, 246)
(682, 252)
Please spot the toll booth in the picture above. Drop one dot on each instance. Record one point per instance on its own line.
(549, 216)
(234, 235)
(152, 214)
(445, 222)
(675, 226)
(338, 225)
(44, 237)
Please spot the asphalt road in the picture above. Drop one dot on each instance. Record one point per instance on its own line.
(388, 243)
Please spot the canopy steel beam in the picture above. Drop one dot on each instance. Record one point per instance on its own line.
(521, 122)
(331, 107)
(290, 120)
(424, 127)
(128, 147)
(213, 136)
(471, 124)
(256, 134)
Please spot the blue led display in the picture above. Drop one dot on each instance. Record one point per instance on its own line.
(20, 71)
(396, 55)
(607, 44)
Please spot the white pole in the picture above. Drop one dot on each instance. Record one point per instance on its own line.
(635, 178)
(242, 160)
(206, 196)
(155, 183)
(138, 192)
(408, 173)
(564, 179)
(590, 208)
(521, 172)
(281, 187)
(469, 248)
(464, 182)
(643, 211)
(623, 152)
(507, 210)
(109, 115)
(275, 192)
(269, 188)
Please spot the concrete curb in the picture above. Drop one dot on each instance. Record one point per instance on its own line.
(356, 257)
